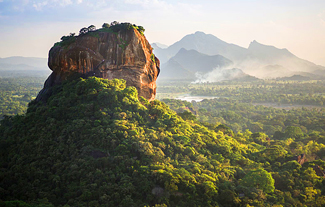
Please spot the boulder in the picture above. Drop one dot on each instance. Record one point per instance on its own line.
(124, 54)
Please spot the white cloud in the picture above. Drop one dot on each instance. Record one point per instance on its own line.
(151, 4)
(65, 2)
(24, 2)
(19, 5)
(98, 4)
(140, 2)
(39, 6)
(162, 8)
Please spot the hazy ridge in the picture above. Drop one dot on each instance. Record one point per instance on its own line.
(18, 66)
(259, 60)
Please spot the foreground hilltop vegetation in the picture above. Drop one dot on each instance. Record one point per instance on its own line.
(113, 27)
(95, 144)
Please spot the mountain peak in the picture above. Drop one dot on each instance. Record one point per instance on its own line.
(182, 50)
(255, 44)
(157, 44)
(189, 53)
(199, 33)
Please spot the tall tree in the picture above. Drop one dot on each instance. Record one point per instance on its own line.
(260, 179)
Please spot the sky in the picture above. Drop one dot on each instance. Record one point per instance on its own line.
(30, 27)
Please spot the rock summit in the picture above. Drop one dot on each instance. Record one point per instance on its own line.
(114, 51)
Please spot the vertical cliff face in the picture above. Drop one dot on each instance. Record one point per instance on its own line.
(125, 54)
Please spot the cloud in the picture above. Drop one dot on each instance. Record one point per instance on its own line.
(150, 4)
(97, 4)
(141, 2)
(160, 6)
(39, 6)
(19, 5)
(65, 2)
(62, 3)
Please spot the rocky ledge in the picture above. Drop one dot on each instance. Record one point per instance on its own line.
(116, 51)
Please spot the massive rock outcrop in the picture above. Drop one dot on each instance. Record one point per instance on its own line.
(124, 54)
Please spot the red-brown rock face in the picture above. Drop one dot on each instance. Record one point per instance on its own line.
(125, 55)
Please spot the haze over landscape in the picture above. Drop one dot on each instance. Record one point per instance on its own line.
(31, 27)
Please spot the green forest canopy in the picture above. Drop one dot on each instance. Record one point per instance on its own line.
(114, 27)
(95, 144)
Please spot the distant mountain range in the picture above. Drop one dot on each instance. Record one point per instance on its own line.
(203, 43)
(157, 44)
(198, 56)
(23, 66)
(207, 53)
(187, 64)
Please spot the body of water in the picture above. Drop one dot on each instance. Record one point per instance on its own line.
(189, 98)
